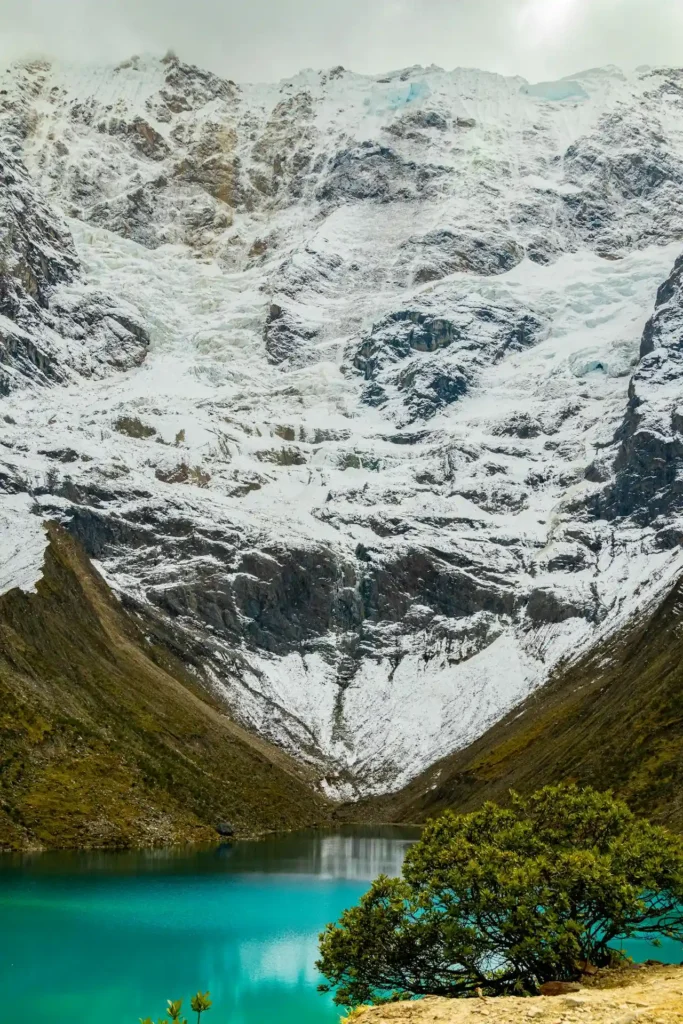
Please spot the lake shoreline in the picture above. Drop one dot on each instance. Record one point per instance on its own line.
(648, 994)
(199, 845)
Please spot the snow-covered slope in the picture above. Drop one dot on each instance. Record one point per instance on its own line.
(352, 410)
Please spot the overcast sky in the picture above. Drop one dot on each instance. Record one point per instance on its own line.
(256, 40)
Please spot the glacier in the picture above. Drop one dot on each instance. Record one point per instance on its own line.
(332, 377)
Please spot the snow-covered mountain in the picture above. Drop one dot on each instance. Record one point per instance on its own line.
(350, 380)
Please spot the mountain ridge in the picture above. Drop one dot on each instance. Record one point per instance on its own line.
(612, 719)
(108, 741)
(349, 411)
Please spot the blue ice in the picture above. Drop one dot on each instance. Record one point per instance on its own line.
(397, 98)
(565, 89)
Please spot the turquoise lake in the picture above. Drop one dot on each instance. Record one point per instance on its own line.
(108, 938)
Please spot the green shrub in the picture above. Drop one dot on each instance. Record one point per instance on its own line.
(503, 900)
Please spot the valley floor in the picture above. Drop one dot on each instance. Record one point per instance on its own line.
(653, 996)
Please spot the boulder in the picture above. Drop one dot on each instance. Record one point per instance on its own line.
(559, 988)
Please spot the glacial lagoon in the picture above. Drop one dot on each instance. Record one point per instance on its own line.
(109, 937)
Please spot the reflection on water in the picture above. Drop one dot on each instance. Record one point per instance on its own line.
(352, 852)
(109, 937)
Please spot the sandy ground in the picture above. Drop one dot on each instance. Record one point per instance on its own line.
(651, 997)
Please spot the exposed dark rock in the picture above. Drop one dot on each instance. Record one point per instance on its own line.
(646, 468)
(184, 474)
(522, 426)
(546, 605)
(132, 426)
(61, 454)
(409, 126)
(150, 214)
(36, 250)
(110, 332)
(189, 87)
(665, 328)
(210, 160)
(439, 253)
(568, 561)
(285, 334)
(145, 139)
(371, 171)
(430, 361)
(625, 161)
(281, 598)
(284, 150)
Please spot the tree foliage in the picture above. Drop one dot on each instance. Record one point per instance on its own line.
(503, 900)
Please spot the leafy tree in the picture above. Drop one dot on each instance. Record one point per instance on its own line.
(200, 1003)
(503, 900)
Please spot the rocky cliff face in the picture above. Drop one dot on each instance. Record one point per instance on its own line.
(645, 484)
(344, 379)
(52, 324)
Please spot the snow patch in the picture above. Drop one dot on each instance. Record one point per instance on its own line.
(23, 541)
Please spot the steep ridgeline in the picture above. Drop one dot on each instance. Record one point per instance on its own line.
(613, 719)
(340, 380)
(108, 741)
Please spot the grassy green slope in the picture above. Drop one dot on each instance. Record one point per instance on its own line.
(106, 741)
(614, 719)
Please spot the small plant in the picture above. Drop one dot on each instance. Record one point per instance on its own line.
(174, 1007)
(180, 437)
(174, 1010)
(353, 1014)
(200, 1003)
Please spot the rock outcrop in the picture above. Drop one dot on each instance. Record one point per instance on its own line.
(46, 331)
(646, 484)
(461, 341)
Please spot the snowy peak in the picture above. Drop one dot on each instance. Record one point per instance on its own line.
(163, 152)
(348, 377)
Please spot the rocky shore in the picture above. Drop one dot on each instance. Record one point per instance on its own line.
(646, 994)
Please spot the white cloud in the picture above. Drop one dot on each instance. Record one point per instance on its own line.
(267, 39)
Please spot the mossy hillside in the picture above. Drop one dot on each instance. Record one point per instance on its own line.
(613, 719)
(107, 741)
